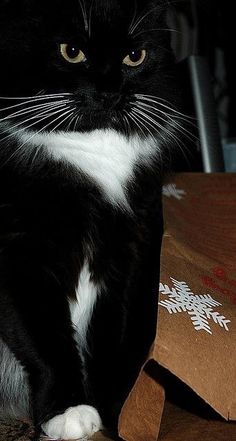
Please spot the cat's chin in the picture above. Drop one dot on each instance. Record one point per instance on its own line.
(99, 121)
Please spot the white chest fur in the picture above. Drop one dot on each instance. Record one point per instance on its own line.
(105, 156)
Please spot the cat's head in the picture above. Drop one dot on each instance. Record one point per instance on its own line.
(80, 65)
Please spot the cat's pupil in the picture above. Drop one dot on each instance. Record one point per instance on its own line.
(72, 51)
(135, 56)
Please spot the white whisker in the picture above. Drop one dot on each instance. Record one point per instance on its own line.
(36, 133)
(156, 30)
(167, 132)
(46, 114)
(73, 119)
(155, 125)
(32, 97)
(152, 98)
(84, 13)
(140, 19)
(168, 118)
(62, 122)
(126, 122)
(143, 122)
(32, 109)
(179, 116)
(50, 123)
(77, 121)
(137, 123)
(28, 101)
(148, 118)
(90, 18)
(134, 16)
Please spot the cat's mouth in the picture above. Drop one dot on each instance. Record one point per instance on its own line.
(99, 110)
(92, 119)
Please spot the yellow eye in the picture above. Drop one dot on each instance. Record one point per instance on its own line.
(72, 53)
(135, 58)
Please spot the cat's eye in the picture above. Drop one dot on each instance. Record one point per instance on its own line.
(72, 53)
(135, 58)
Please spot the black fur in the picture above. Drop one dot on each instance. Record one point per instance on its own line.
(53, 217)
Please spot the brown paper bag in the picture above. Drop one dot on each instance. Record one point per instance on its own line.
(196, 335)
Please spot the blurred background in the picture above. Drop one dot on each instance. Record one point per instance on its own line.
(203, 40)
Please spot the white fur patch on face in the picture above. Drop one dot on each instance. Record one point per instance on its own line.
(105, 156)
(77, 422)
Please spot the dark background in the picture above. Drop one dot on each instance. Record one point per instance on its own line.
(207, 28)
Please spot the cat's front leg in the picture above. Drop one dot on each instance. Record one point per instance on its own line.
(36, 326)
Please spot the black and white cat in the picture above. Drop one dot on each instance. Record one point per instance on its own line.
(88, 117)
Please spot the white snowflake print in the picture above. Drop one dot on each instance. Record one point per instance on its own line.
(170, 190)
(199, 307)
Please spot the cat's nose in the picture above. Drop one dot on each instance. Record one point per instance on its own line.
(108, 99)
(106, 78)
(104, 101)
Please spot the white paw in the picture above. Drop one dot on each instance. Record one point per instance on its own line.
(76, 423)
